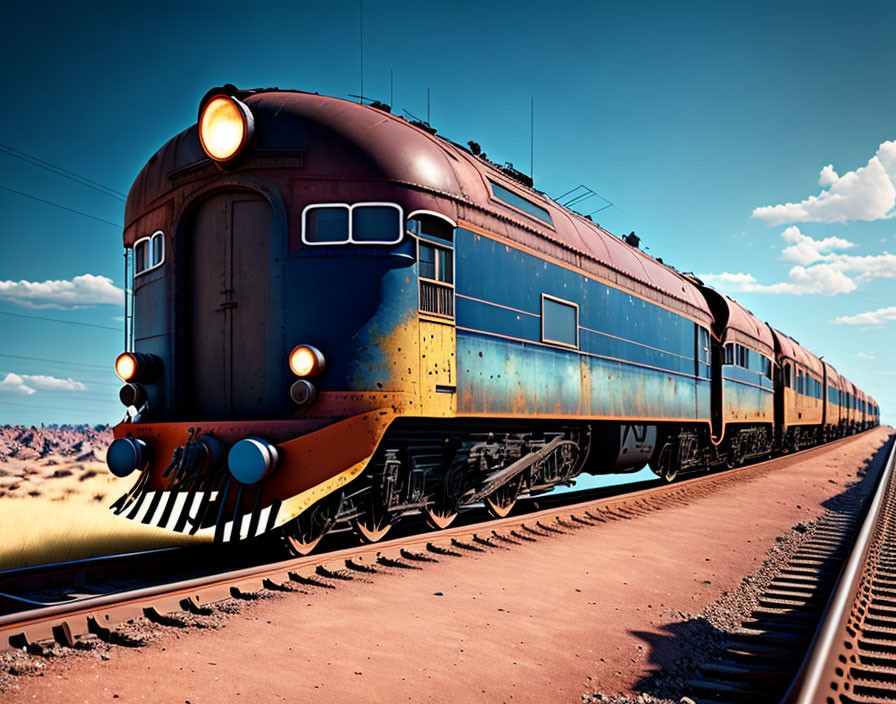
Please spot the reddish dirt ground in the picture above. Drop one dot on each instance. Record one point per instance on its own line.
(544, 622)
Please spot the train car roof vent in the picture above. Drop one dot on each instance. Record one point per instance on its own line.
(632, 240)
(515, 174)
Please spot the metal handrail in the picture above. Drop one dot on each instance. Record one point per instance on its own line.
(812, 683)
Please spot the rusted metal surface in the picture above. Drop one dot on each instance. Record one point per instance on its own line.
(99, 615)
(747, 329)
(799, 408)
(833, 412)
(311, 466)
(852, 656)
(791, 349)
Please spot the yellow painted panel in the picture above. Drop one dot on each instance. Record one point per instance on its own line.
(438, 368)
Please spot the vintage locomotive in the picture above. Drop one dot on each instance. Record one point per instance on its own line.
(339, 317)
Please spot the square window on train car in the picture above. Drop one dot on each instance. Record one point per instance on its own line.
(140, 256)
(559, 321)
(376, 223)
(157, 249)
(327, 224)
(426, 259)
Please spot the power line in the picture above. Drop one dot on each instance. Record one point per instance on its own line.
(61, 207)
(57, 320)
(65, 173)
(56, 361)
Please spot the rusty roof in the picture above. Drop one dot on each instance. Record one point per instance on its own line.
(833, 376)
(335, 134)
(790, 348)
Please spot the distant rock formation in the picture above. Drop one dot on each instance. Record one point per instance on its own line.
(83, 442)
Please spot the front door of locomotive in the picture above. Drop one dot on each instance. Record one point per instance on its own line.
(232, 361)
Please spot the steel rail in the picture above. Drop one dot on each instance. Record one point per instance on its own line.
(62, 622)
(823, 658)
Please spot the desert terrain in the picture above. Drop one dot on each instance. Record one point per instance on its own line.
(55, 491)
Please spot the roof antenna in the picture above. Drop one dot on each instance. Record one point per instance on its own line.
(361, 38)
(532, 139)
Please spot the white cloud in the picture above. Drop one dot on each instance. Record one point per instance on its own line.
(866, 355)
(16, 384)
(79, 292)
(868, 193)
(817, 279)
(874, 318)
(805, 250)
(820, 269)
(828, 176)
(53, 383)
(29, 383)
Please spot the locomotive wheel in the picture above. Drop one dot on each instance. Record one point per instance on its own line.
(302, 534)
(444, 509)
(502, 500)
(439, 517)
(373, 525)
(667, 465)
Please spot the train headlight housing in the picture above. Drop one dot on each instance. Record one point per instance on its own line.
(126, 366)
(226, 126)
(136, 366)
(127, 454)
(252, 459)
(302, 392)
(306, 360)
(132, 395)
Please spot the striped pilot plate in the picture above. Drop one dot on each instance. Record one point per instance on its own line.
(183, 511)
(172, 510)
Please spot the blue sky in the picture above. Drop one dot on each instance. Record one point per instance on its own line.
(693, 119)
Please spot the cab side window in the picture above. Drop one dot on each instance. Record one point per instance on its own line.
(149, 252)
(435, 263)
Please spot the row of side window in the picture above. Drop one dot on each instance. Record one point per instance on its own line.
(742, 356)
(803, 383)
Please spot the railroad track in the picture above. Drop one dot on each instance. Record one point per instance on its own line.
(95, 613)
(824, 629)
(852, 658)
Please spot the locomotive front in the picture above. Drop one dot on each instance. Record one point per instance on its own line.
(273, 331)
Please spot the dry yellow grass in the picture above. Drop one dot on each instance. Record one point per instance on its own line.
(45, 518)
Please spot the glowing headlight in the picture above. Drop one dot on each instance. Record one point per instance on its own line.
(226, 126)
(136, 366)
(126, 366)
(306, 360)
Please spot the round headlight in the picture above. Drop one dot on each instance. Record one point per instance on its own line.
(226, 126)
(137, 366)
(302, 392)
(306, 360)
(127, 454)
(126, 366)
(132, 395)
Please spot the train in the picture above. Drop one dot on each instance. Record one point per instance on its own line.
(336, 317)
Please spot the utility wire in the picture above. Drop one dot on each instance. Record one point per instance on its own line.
(65, 173)
(57, 361)
(62, 207)
(57, 320)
